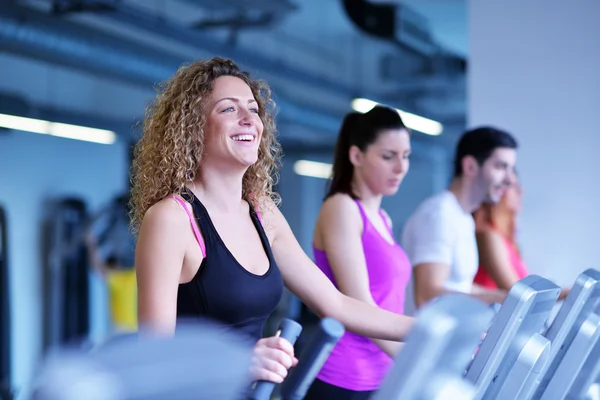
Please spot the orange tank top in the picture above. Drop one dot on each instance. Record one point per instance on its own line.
(483, 278)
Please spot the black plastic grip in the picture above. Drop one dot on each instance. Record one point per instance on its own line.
(289, 330)
(295, 386)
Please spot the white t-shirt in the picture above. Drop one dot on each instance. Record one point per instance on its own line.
(440, 231)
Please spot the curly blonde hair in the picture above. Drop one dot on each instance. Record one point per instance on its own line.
(170, 150)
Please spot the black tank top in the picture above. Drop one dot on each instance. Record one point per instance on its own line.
(223, 290)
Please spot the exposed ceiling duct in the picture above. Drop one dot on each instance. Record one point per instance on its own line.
(41, 36)
(392, 22)
(33, 34)
(418, 55)
(242, 14)
(121, 12)
(37, 35)
(421, 56)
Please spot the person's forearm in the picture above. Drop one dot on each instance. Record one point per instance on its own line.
(389, 347)
(423, 297)
(371, 321)
(488, 295)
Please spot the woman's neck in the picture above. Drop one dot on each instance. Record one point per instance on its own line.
(219, 190)
(504, 221)
(465, 194)
(369, 200)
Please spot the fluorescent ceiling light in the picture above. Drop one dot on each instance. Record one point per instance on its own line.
(313, 169)
(412, 121)
(57, 129)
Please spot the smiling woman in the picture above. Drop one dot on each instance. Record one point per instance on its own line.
(236, 123)
(211, 241)
(172, 146)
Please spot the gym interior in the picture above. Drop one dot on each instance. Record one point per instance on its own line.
(77, 77)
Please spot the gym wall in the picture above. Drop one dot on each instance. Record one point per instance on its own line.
(545, 89)
(43, 167)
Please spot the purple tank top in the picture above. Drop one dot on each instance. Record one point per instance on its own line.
(356, 363)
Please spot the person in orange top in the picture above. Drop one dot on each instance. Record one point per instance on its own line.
(500, 261)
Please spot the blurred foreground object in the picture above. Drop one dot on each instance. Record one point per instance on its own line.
(202, 361)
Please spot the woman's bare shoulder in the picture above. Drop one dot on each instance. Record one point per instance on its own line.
(167, 214)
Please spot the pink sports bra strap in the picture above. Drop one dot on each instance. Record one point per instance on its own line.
(363, 215)
(386, 221)
(258, 214)
(193, 223)
(256, 209)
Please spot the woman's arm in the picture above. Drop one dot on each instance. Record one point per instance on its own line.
(159, 258)
(160, 255)
(494, 258)
(340, 229)
(488, 295)
(307, 282)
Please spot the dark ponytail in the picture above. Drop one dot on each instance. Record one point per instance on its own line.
(343, 169)
(360, 130)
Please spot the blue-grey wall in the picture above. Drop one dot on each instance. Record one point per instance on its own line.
(34, 168)
(537, 76)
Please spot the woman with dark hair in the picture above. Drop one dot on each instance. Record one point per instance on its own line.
(354, 246)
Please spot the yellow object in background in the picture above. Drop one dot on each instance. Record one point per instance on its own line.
(122, 290)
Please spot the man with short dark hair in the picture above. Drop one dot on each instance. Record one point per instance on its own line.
(439, 237)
